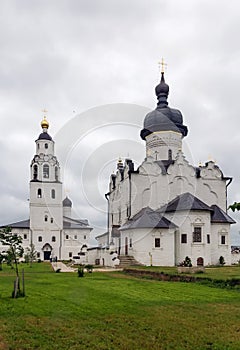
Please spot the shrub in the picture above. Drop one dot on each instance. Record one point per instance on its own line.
(221, 260)
(80, 271)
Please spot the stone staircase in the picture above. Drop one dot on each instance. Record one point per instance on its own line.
(127, 260)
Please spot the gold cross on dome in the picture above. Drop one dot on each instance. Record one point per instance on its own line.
(162, 64)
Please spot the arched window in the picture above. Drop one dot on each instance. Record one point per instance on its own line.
(67, 236)
(53, 239)
(45, 218)
(35, 172)
(39, 238)
(56, 173)
(170, 154)
(46, 171)
(53, 193)
(51, 220)
(39, 193)
(46, 145)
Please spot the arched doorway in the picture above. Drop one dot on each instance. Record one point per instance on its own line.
(200, 261)
(47, 251)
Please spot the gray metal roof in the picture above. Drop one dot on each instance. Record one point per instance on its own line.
(147, 218)
(19, 224)
(75, 223)
(185, 201)
(219, 216)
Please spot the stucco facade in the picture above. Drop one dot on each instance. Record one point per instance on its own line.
(193, 199)
(50, 227)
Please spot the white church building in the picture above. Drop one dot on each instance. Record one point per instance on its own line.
(50, 226)
(166, 209)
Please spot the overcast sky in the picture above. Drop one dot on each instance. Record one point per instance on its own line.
(71, 56)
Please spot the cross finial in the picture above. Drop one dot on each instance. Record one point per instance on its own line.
(44, 111)
(162, 64)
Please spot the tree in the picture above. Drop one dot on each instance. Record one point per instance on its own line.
(2, 257)
(14, 242)
(234, 206)
(31, 254)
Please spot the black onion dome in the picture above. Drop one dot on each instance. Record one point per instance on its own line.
(44, 136)
(163, 118)
(67, 202)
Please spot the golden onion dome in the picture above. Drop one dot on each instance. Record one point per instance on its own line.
(44, 123)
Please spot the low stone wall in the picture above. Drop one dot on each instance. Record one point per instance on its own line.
(193, 269)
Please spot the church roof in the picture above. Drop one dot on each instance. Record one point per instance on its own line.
(147, 218)
(75, 223)
(67, 202)
(163, 118)
(185, 201)
(19, 224)
(219, 216)
(44, 136)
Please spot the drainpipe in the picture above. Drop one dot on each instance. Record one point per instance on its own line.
(108, 220)
(150, 254)
(60, 246)
(230, 180)
(130, 197)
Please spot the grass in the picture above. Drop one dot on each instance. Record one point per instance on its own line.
(114, 311)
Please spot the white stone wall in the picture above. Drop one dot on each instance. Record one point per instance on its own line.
(143, 246)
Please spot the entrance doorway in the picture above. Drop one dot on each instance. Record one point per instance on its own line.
(200, 261)
(126, 246)
(47, 251)
(46, 255)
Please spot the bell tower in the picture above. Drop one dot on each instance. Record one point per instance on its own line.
(46, 211)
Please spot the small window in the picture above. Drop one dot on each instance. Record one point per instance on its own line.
(38, 146)
(75, 236)
(53, 194)
(56, 173)
(46, 171)
(157, 242)
(51, 220)
(184, 238)
(84, 237)
(53, 239)
(45, 218)
(39, 238)
(46, 145)
(197, 235)
(208, 239)
(67, 236)
(35, 172)
(223, 239)
(70, 254)
(39, 193)
(25, 236)
(38, 255)
(130, 242)
(169, 154)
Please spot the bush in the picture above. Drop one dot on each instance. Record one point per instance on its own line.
(80, 271)
(221, 260)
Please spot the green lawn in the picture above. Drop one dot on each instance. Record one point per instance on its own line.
(114, 311)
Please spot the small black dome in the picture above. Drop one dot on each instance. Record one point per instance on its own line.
(44, 136)
(67, 202)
